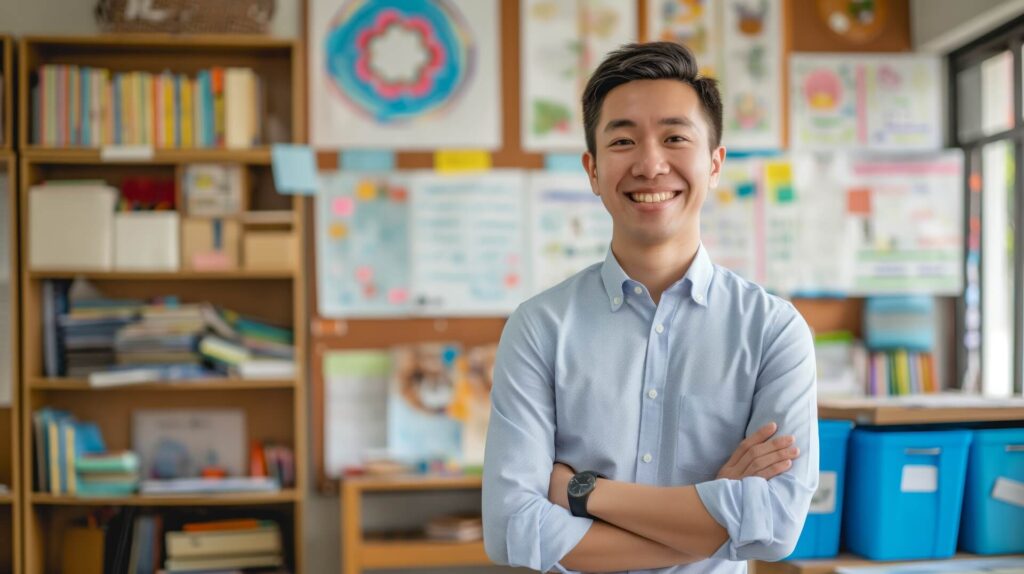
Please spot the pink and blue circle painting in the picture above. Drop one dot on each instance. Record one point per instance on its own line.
(396, 60)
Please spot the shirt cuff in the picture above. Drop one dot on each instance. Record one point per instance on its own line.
(541, 546)
(743, 508)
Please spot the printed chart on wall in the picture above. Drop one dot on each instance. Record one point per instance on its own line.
(469, 244)
(363, 246)
(570, 230)
(419, 243)
(562, 41)
(887, 103)
(404, 74)
(730, 219)
(903, 219)
(751, 72)
(691, 23)
(355, 410)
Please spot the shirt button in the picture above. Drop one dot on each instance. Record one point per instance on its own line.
(648, 457)
(652, 393)
(638, 290)
(660, 329)
(699, 298)
(617, 300)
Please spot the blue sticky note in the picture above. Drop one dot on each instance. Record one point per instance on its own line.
(294, 169)
(563, 162)
(367, 160)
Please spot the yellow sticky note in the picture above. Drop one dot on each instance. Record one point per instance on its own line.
(338, 231)
(366, 191)
(724, 196)
(777, 172)
(455, 161)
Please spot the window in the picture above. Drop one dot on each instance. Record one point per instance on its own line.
(988, 125)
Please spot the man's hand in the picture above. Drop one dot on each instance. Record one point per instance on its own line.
(761, 455)
(558, 488)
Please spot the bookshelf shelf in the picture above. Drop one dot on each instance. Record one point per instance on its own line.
(420, 553)
(63, 384)
(868, 414)
(240, 275)
(828, 566)
(227, 499)
(274, 409)
(254, 156)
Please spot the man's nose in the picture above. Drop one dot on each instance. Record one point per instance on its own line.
(650, 162)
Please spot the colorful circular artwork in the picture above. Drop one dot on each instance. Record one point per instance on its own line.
(398, 59)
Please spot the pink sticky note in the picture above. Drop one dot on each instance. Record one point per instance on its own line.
(364, 274)
(342, 207)
(397, 296)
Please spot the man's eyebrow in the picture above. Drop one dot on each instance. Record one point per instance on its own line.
(669, 121)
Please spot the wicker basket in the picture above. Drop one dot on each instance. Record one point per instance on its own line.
(185, 16)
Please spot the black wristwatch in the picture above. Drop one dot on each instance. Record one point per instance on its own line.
(580, 487)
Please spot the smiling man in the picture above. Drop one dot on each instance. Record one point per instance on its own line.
(634, 404)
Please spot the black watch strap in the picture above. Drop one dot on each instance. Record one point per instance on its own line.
(578, 504)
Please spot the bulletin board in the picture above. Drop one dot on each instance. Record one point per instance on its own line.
(349, 334)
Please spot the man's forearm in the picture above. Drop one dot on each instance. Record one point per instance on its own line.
(671, 516)
(607, 548)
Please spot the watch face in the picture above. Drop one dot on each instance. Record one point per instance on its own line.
(581, 484)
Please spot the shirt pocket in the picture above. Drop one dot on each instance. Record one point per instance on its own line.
(708, 431)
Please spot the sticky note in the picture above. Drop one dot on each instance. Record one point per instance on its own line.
(724, 196)
(367, 160)
(457, 161)
(919, 478)
(397, 296)
(563, 162)
(366, 190)
(294, 169)
(858, 201)
(364, 274)
(338, 231)
(785, 194)
(778, 172)
(746, 189)
(342, 207)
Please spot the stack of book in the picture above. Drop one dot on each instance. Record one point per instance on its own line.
(84, 106)
(223, 545)
(901, 372)
(244, 347)
(71, 458)
(164, 335)
(89, 330)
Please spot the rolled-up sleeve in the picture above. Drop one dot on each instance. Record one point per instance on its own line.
(521, 526)
(764, 518)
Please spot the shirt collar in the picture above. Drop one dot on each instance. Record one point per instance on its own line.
(699, 276)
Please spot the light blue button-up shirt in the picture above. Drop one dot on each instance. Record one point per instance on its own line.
(593, 374)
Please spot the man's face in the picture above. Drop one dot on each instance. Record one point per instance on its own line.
(653, 165)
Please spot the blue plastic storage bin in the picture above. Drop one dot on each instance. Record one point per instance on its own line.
(993, 518)
(904, 492)
(820, 536)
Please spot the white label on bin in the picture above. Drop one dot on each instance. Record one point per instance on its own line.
(920, 478)
(1009, 490)
(824, 500)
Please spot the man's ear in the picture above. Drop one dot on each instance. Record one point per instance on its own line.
(717, 160)
(590, 165)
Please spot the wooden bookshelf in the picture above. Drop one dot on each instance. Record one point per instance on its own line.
(275, 409)
(10, 500)
(363, 552)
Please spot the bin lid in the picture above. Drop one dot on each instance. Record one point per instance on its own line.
(999, 436)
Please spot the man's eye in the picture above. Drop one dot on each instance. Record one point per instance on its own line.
(677, 139)
(620, 142)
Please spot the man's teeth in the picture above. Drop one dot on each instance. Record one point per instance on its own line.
(652, 197)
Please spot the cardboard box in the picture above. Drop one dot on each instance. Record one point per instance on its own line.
(146, 241)
(210, 244)
(270, 250)
(71, 226)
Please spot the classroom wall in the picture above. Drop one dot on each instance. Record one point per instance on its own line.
(943, 25)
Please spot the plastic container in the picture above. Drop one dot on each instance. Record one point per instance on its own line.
(820, 536)
(993, 513)
(904, 492)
